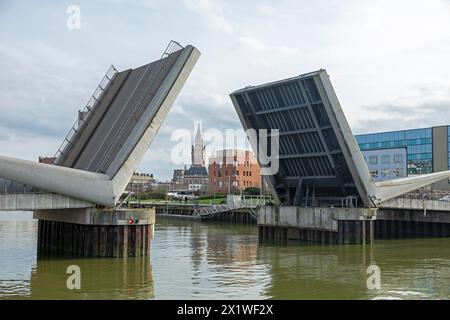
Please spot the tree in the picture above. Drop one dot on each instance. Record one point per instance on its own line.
(252, 191)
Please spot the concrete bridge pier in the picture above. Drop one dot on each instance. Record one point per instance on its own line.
(317, 225)
(350, 225)
(93, 232)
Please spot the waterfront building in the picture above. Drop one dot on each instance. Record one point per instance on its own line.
(196, 178)
(386, 164)
(427, 149)
(140, 182)
(178, 175)
(233, 170)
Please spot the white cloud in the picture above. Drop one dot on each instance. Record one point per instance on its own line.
(266, 9)
(144, 3)
(388, 61)
(260, 47)
(213, 14)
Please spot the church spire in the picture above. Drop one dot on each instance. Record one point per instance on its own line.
(198, 149)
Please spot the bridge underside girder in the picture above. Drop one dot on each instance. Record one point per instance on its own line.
(314, 163)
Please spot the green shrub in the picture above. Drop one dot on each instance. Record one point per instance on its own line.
(252, 191)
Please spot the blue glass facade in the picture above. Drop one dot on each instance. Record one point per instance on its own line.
(418, 143)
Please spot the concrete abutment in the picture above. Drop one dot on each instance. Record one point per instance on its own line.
(349, 225)
(95, 232)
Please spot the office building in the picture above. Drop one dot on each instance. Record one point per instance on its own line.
(427, 149)
(386, 164)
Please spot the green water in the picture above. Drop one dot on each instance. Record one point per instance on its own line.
(191, 260)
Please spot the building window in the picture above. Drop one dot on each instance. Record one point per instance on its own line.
(373, 160)
(385, 159)
(398, 158)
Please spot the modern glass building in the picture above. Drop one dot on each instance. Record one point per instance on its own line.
(428, 149)
(448, 146)
(418, 143)
(386, 164)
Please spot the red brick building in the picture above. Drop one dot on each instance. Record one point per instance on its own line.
(232, 171)
(47, 160)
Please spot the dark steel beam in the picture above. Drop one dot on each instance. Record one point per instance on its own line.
(322, 138)
(297, 106)
(303, 155)
(293, 132)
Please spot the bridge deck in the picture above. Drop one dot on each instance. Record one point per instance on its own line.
(121, 106)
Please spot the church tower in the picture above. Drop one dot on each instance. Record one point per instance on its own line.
(198, 151)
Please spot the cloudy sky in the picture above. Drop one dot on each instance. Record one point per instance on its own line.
(389, 61)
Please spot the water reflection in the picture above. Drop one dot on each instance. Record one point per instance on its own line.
(17, 253)
(105, 278)
(209, 261)
(192, 260)
(410, 269)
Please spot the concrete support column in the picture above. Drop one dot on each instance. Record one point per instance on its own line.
(344, 226)
(94, 232)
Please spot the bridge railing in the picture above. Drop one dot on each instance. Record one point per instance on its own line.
(210, 210)
(437, 195)
(255, 201)
(139, 104)
(248, 201)
(78, 126)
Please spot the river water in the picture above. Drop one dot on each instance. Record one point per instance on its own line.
(193, 260)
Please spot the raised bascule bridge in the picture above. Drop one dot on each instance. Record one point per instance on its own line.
(77, 199)
(324, 190)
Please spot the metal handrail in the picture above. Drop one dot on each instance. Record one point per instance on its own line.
(210, 210)
(79, 123)
(427, 195)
